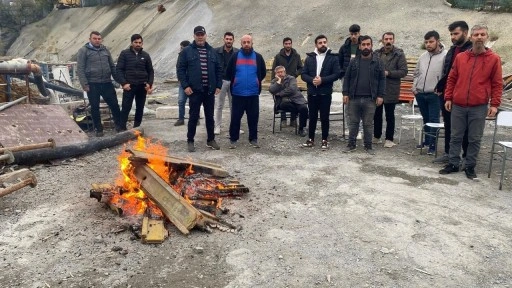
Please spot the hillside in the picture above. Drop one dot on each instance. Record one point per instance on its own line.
(59, 36)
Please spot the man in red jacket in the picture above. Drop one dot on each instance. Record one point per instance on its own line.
(473, 92)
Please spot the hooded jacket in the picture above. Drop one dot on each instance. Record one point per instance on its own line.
(293, 68)
(396, 66)
(376, 76)
(429, 71)
(475, 79)
(188, 69)
(287, 88)
(95, 65)
(134, 68)
(330, 72)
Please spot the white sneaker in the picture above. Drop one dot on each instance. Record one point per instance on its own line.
(359, 135)
(377, 140)
(241, 132)
(216, 131)
(389, 144)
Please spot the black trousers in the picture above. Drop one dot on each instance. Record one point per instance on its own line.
(322, 104)
(390, 121)
(197, 99)
(240, 105)
(137, 92)
(447, 117)
(294, 109)
(107, 91)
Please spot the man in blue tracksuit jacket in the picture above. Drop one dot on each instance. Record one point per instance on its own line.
(246, 69)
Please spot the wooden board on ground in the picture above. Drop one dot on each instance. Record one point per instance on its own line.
(177, 162)
(153, 231)
(25, 124)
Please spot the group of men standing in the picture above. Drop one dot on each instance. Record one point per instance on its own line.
(464, 83)
(134, 72)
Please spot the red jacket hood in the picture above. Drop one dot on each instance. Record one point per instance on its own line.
(475, 79)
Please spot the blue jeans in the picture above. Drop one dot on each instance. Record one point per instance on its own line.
(182, 99)
(430, 111)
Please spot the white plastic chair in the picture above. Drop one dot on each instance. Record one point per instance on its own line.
(437, 134)
(409, 119)
(504, 119)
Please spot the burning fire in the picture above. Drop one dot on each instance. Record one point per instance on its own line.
(133, 201)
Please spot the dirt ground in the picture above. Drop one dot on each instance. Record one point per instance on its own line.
(312, 219)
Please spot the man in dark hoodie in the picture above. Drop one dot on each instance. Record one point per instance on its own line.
(395, 68)
(364, 87)
(459, 35)
(350, 49)
(95, 68)
(135, 72)
(321, 69)
(290, 60)
(200, 74)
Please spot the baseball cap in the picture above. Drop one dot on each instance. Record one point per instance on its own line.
(199, 29)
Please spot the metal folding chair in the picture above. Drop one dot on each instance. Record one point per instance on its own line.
(503, 120)
(409, 119)
(277, 115)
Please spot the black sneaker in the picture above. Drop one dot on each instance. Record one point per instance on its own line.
(325, 145)
(310, 143)
(349, 148)
(470, 173)
(369, 150)
(191, 147)
(212, 144)
(450, 168)
(302, 133)
(254, 143)
(179, 122)
(431, 150)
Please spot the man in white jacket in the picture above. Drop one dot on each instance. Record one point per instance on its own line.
(429, 70)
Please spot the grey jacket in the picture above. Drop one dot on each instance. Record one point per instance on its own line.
(396, 65)
(287, 88)
(95, 65)
(429, 71)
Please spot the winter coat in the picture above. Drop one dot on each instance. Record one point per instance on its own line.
(287, 89)
(134, 68)
(329, 73)
(428, 72)
(188, 69)
(475, 79)
(220, 54)
(344, 55)
(448, 61)
(377, 77)
(397, 69)
(294, 67)
(95, 65)
(231, 70)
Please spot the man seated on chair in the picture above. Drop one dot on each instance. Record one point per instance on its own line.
(288, 97)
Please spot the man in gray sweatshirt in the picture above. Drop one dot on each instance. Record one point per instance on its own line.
(429, 70)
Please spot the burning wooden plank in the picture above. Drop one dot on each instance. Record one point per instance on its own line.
(181, 213)
(180, 163)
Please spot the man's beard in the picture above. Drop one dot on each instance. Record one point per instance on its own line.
(366, 52)
(459, 42)
(228, 45)
(322, 49)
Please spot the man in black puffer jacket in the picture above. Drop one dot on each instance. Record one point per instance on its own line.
(135, 72)
(350, 49)
(321, 69)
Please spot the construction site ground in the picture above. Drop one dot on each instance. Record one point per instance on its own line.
(312, 219)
